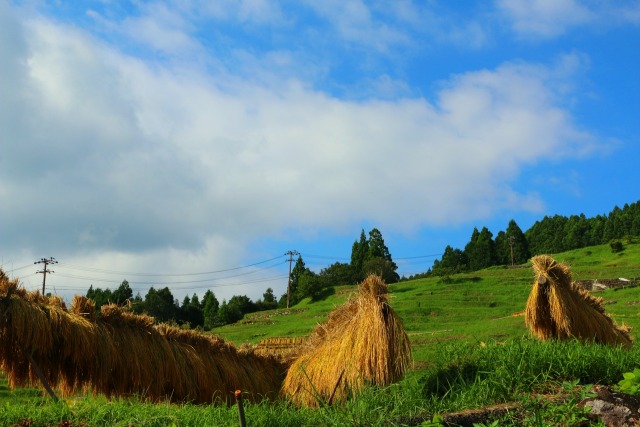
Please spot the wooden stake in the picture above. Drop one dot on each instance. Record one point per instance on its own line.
(243, 422)
(39, 373)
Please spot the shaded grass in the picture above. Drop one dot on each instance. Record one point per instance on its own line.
(468, 376)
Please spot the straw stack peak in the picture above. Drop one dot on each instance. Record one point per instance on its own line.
(362, 342)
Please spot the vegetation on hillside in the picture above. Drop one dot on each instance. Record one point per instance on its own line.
(369, 254)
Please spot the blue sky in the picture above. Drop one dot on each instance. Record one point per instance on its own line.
(190, 144)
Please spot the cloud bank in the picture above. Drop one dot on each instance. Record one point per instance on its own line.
(135, 162)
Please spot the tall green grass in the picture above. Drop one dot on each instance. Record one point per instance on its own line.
(468, 376)
(463, 376)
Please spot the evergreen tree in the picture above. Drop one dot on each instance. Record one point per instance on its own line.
(122, 294)
(339, 273)
(378, 260)
(268, 301)
(516, 239)
(160, 304)
(244, 304)
(383, 268)
(577, 232)
(503, 250)
(480, 250)
(359, 254)
(453, 261)
(191, 312)
(210, 310)
(229, 313)
(298, 270)
(310, 286)
(99, 297)
(546, 236)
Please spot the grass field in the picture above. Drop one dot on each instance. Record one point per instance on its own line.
(470, 349)
(474, 307)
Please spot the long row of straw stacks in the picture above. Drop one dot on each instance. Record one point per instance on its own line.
(363, 342)
(120, 353)
(556, 308)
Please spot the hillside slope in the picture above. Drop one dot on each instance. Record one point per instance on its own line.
(473, 307)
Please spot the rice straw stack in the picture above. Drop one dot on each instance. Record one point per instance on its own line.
(121, 353)
(556, 308)
(363, 342)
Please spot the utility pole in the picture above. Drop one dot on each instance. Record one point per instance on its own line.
(44, 271)
(511, 239)
(291, 254)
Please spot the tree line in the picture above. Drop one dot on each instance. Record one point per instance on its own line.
(552, 234)
(369, 255)
(193, 312)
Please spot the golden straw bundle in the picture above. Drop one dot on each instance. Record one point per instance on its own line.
(121, 353)
(556, 308)
(363, 342)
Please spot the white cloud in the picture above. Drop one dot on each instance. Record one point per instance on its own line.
(546, 18)
(143, 166)
(356, 23)
(552, 18)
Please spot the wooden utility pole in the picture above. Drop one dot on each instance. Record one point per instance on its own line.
(291, 254)
(44, 271)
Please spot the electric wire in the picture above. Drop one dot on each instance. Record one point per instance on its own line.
(182, 282)
(107, 271)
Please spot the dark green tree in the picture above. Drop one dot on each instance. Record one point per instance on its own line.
(379, 259)
(339, 273)
(137, 303)
(516, 240)
(122, 294)
(310, 286)
(191, 312)
(546, 236)
(99, 296)
(244, 304)
(381, 267)
(481, 251)
(210, 310)
(577, 232)
(453, 261)
(359, 254)
(229, 313)
(268, 301)
(296, 272)
(160, 304)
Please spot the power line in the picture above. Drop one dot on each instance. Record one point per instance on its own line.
(324, 257)
(106, 271)
(21, 268)
(220, 285)
(182, 282)
(418, 256)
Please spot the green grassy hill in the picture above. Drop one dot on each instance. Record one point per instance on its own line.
(474, 307)
(470, 349)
